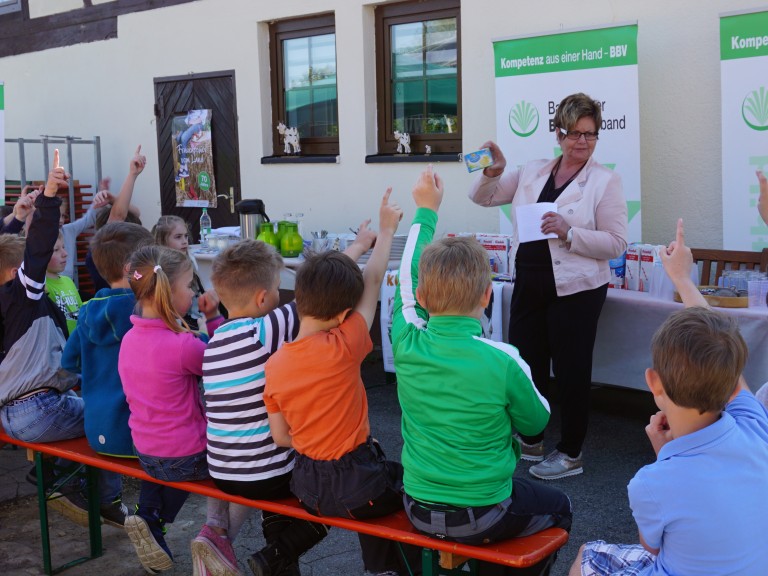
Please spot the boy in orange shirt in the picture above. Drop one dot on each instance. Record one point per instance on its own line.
(316, 400)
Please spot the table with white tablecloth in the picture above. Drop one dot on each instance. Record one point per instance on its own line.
(627, 324)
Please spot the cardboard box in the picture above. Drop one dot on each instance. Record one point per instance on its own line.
(632, 270)
(497, 246)
(646, 266)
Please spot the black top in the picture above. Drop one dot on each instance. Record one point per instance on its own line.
(536, 254)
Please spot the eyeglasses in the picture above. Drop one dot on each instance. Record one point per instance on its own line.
(575, 135)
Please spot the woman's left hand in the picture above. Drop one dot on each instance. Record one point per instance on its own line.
(552, 222)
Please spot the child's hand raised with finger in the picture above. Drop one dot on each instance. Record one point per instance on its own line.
(390, 214)
(428, 191)
(57, 177)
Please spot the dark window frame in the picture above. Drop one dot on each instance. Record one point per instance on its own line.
(280, 30)
(388, 15)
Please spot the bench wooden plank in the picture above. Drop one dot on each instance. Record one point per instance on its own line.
(515, 552)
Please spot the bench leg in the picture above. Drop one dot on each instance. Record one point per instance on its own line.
(94, 516)
(430, 565)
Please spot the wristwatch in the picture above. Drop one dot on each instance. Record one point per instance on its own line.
(569, 236)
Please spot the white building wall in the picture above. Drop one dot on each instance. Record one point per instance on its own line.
(106, 89)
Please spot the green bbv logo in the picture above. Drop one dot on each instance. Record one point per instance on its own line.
(524, 119)
(754, 109)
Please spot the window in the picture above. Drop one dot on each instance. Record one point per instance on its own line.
(303, 64)
(8, 6)
(418, 71)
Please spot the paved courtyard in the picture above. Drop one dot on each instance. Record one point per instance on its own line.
(616, 447)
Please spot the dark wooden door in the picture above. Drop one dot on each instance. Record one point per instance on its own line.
(214, 91)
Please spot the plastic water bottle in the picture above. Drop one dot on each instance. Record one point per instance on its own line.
(205, 228)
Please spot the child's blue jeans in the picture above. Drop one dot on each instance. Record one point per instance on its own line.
(168, 501)
(49, 416)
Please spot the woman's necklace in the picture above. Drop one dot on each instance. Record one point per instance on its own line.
(564, 181)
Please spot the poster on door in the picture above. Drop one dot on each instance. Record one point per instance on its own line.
(193, 159)
(534, 73)
(744, 101)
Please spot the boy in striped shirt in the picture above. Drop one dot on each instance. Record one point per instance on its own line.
(242, 456)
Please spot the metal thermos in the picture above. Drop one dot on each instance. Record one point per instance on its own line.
(252, 215)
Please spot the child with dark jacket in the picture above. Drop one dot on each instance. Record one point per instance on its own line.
(37, 403)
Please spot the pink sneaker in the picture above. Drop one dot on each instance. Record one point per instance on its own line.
(215, 552)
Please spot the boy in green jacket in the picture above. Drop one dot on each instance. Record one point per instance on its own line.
(462, 396)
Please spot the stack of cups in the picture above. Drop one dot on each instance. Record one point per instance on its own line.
(757, 289)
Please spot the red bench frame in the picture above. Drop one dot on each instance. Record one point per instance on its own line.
(515, 552)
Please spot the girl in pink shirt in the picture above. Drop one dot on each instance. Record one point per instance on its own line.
(160, 365)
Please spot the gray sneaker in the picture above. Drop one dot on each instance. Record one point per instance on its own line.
(531, 452)
(557, 465)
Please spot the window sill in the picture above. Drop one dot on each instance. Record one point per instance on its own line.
(395, 158)
(318, 159)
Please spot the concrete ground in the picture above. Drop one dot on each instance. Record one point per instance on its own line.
(616, 447)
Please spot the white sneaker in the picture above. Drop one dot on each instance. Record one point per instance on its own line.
(531, 452)
(557, 465)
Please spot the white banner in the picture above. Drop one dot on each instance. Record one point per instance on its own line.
(744, 88)
(534, 74)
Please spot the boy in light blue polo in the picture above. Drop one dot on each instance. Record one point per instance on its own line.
(701, 507)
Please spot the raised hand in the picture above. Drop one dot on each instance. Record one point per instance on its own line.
(499, 162)
(366, 237)
(103, 198)
(428, 191)
(57, 177)
(762, 202)
(389, 214)
(25, 205)
(677, 257)
(137, 162)
(677, 261)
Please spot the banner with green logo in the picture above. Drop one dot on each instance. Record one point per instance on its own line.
(533, 74)
(744, 91)
(2, 149)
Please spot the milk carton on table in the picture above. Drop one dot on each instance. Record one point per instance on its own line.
(632, 269)
(646, 266)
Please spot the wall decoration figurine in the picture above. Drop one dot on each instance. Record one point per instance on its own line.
(290, 138)
(403, 142)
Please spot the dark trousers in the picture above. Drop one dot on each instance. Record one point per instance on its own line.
(532, 507)
(546, 328)
(287, 538)
(361, 484)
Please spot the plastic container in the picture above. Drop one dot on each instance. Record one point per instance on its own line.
(205, 228)
(291, 244)
(267, 235)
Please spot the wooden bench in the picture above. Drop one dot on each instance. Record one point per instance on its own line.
(714, 262)
(516, 552)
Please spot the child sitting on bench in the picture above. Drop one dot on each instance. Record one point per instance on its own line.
(316, 400)
(462, 396)
(700, 508)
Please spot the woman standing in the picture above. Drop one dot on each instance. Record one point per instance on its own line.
(561, 283)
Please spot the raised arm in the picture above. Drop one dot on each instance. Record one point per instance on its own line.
(43, 232)
(428, 195)
(364, 239)
(123, 202)
(762, 202)
(677, 262)
(495, 187)
(389, 218)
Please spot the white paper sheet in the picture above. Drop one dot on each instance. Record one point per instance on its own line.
(529, 221)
